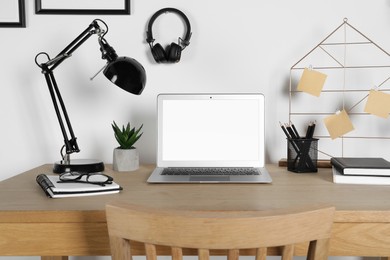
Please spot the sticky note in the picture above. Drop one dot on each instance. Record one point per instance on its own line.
(338, 124)
(312, 82)
(378, 103)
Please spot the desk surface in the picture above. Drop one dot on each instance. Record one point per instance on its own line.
(26, 211)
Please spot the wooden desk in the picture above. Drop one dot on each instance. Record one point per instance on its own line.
(32, 224)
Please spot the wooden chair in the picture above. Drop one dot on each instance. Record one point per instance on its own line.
(214, 230)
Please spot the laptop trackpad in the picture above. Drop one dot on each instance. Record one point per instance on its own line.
(209, 178)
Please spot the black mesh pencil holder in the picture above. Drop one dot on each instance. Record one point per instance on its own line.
(302, 155)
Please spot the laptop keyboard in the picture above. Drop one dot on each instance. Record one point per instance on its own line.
(209, 171)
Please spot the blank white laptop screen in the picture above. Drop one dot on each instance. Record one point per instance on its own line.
(211, 130)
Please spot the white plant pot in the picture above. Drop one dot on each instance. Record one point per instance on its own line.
(125, 160)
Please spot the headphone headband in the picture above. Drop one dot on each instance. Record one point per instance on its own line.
(187, 36)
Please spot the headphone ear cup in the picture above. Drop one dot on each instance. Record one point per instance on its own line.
(173, 52)
(159, 54)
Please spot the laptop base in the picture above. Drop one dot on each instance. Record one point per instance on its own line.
(157, 177)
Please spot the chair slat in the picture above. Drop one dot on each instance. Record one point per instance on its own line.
(233, 254)
(288, 252)
(120, 248)
(204, 254)
(177, 253)
(150, 251)
(261, 253)
(318, 249)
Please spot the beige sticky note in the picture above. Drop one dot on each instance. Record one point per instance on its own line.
(378, 103)
(338, 124)
(312, 82)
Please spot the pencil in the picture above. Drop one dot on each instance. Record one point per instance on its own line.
(295, 130)
(284, 130)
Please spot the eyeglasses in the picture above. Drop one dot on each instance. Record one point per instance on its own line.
(91, 178)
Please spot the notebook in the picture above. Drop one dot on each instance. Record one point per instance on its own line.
(210, 138)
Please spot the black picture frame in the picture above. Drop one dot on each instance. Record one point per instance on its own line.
(20, 12)
(39, 9)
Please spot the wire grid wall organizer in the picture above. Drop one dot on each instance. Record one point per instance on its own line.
(354, 65)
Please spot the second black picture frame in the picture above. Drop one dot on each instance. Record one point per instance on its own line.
(118, 7)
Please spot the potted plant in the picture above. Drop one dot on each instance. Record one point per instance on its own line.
(126, 156)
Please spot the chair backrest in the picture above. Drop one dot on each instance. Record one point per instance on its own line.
(213, 230)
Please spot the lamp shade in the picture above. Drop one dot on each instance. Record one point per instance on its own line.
(126, 73)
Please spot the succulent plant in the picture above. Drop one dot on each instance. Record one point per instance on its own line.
(127, 136)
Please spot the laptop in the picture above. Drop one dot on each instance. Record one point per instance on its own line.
(210, 138)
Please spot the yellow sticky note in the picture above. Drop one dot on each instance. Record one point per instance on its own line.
(378, 103)
(338, 124)
(312, 82)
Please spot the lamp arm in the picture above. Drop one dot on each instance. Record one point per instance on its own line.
(71, 145)
(93, 28)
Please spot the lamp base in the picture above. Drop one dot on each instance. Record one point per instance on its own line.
(78, 165)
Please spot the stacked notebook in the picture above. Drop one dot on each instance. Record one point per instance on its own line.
(365, 170)
(55, 189)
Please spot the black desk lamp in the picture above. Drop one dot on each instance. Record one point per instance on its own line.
(126, 73)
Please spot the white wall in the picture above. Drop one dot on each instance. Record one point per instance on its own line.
(237, 46)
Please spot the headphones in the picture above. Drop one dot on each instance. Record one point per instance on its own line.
(173, 51)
